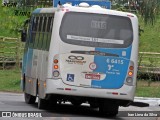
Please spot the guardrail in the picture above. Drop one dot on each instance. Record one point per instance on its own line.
(149, 62)
(149, 66)
(10, 52)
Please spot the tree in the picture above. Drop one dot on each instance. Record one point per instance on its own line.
(149, 9)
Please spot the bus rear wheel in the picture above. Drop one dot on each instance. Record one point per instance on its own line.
(108, 108)
(29, 98)
(42, 103)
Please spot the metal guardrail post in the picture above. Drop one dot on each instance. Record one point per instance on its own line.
(10, 54)
(3, 64)
(17, 54)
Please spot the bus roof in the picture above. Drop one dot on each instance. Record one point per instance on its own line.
(90, 9)
(44, 10)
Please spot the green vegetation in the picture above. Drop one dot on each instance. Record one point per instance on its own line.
(10, 80)
(149, 39)
(9, 22)
(144, 91)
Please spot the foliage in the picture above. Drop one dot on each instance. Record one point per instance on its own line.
(144, 91)
(149, 39)
(149, 10)
(9, 23)
(10, 80)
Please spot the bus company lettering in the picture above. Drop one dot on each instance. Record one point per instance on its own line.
(76, 60)
(92, 76)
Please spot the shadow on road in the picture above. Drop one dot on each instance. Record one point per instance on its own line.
(140, 104)
(68, 110)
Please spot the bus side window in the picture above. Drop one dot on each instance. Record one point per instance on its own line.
(44, 33)
(40, 33)
(25, 30)
(34, 30)
(49, 31)
(30, 32)
(37, 33)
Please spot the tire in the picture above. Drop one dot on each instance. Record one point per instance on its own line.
(42, 103)
(108, 108)
(29, 98)
(93, 105)
(52, 102)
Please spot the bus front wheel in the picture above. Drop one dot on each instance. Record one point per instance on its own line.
(29, 98)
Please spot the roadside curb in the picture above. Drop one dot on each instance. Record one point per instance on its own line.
(146, 102)
(146, 98)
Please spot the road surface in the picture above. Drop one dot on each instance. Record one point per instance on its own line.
(13, 102)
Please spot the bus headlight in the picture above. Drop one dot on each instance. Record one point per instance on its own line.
(55, 73)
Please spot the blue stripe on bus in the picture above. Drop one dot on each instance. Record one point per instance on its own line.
(24, 62)
(29, 59)
(113, 68)
(27, 64)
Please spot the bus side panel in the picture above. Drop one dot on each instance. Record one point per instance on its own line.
(34, 72)
(29, 62)
(42, 71)
(28, 71)
(24, 65)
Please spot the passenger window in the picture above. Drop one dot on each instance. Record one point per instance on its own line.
(37, 34)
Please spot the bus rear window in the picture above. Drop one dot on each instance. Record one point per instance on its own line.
(96, 30)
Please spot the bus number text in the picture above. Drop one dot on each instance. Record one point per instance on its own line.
(115, 61)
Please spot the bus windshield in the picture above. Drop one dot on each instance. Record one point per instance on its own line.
(96, 30)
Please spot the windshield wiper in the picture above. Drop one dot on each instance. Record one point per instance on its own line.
(95, 53)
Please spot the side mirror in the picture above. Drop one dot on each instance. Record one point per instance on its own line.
(24, 30)
(23, 35)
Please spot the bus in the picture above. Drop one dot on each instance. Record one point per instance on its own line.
(80, 54)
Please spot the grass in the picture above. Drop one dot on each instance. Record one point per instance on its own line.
(144, 91)
(149, 39)
(10, 23)
(10, 80)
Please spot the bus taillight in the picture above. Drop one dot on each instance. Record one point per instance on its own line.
(56, 67)
(130, 75)
(131, 67)
(55, 61)
(55, 71)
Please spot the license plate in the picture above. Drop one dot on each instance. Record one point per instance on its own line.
(92, 76)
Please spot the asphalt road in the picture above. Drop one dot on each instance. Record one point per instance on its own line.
(15, 102)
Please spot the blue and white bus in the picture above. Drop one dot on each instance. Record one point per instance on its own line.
(81, 54)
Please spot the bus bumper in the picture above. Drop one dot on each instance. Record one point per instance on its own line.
(58, 87)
